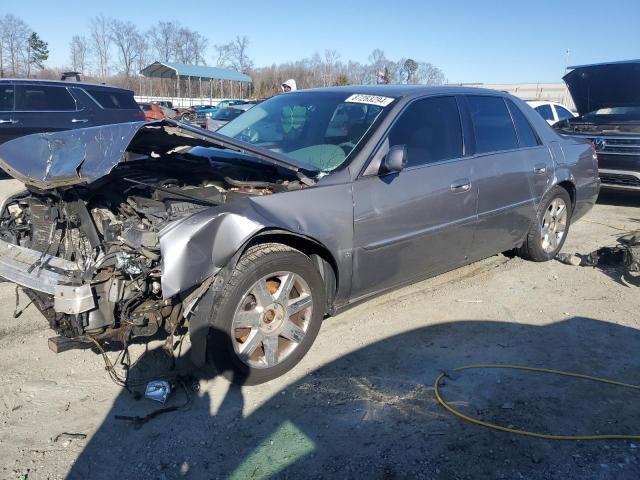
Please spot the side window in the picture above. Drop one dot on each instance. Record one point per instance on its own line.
(563, 113)
(43, 98)
(7, 97)
(113, 100)
(545, 112)
(431, 131)
(492, 124)
(526, 135)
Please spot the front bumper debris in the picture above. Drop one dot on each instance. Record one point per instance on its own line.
(51, 276)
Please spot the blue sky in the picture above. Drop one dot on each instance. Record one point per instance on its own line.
(471, 41)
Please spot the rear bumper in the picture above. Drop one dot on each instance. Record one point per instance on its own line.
(53, 276)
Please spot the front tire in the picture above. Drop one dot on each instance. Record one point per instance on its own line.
(549, 232)
(267, 316)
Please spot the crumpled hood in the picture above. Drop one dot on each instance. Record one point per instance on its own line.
(606, 85)
(70, 157)
(54, 159)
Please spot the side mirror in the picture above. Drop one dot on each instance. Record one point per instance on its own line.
(395, 160)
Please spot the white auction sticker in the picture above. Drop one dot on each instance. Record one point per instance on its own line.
(369, 99)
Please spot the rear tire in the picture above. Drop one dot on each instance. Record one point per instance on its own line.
(548, 233)
(267, 316)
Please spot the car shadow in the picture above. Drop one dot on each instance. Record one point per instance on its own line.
(372, 414)
(619, 198)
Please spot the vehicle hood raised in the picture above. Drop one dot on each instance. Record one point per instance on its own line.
(70, 157)
(593, 87)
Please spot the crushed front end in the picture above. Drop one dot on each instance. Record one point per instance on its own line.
(84, 240)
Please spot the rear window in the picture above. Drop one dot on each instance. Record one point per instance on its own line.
(146, 107)
(6, 98)
(114, 100)
(526, 136)
(492, 124)
(43, 98)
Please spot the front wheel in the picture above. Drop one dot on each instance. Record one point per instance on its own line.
(549, 232)
(268, 315)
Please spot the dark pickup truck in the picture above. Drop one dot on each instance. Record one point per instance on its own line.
(607, 97)
(34, 106)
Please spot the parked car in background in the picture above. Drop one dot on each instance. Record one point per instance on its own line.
(224, 116)
(189, 113)
(30, 106)
(152, 111)
(201, 114)
(552, 112)
(607, 96)
(303, 205)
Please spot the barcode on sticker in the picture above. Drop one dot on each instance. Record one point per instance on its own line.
(369, 99)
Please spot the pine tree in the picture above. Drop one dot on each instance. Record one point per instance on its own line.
(38, 51)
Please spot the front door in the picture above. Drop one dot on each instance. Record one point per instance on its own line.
(44, 108)
(420, 221)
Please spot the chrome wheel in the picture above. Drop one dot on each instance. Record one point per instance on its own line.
(554, 225)
(272, 319)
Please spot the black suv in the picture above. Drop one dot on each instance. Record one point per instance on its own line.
(607, 96)
(31, 106)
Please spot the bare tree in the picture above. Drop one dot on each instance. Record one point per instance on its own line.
(429, 74)
(125, 36)
(331, 60)
(101, 43)
(190, 47)
(15, 37)
(163, 40)
(79, 52)
(223, 54)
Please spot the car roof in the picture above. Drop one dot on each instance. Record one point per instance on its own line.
(400, 91)
(59, 83)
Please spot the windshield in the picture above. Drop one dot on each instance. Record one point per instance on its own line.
(318, 128)
(227, 114)
(628, 113)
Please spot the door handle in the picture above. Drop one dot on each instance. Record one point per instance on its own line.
(461, 186)
(79, 120)
(540, 169)
(10, 120)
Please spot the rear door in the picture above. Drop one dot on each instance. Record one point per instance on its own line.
(112, 105)
(7, 117)
(538, 157)
(43, 108)
(505, 200)
(420, 221)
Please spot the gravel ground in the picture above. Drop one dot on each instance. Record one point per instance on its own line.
(361, 403)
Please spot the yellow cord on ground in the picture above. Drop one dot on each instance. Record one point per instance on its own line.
(525, 432)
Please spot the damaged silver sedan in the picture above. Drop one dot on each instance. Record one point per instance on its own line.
(303, 205)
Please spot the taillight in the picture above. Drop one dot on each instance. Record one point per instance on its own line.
(594, 156)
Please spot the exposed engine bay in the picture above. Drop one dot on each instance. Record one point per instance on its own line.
(106, 235)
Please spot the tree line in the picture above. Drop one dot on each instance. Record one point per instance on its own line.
(114, 51)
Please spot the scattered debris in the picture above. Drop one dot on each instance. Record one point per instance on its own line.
(158, 390)
(569, 259)
(626, 254)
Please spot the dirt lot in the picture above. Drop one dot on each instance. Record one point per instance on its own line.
(361, 404)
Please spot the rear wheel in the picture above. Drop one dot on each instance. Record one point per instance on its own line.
(268, 315)
(547, 235)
